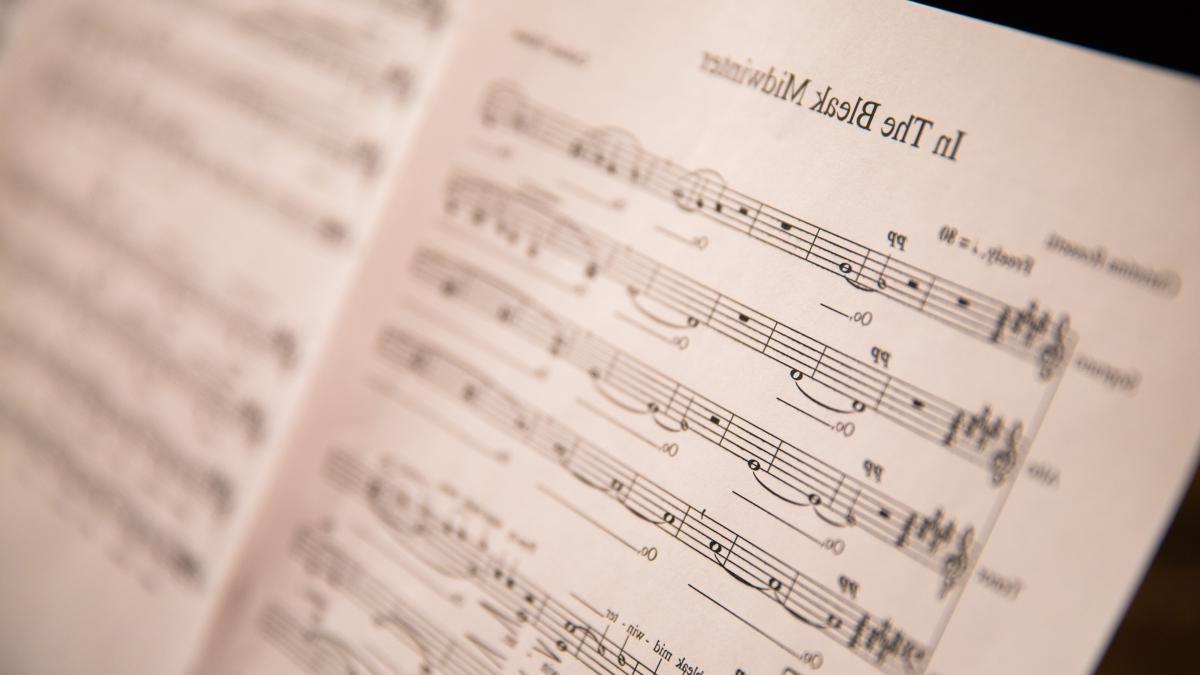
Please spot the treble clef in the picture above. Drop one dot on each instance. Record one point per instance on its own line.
(1004, 460)
(1051, 355)
(956, 563)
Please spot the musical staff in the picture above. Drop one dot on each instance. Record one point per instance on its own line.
(26, 264)
(321, 556)
(317, 651)
(690, 304)
(783, 469)
(1031, 333)
(286, 111)
(75, 90)
(428, 535)
(801, 596)
(106, 499)
(981, 438)
(359, 65)
(26, 188)
(203, 482)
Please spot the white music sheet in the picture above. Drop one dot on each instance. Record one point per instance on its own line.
(184, 189)
(843, 337)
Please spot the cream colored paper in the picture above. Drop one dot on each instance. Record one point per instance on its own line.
(662, 360)
(622, 388)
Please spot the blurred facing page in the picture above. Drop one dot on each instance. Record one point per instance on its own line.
(184, 189)
(847, 338)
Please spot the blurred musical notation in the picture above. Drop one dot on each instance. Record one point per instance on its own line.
(99, 498)
(137, 339)
(73, 385)
(322, 557)
(153, 152)
(78, 218)
(315, 650)
(1031, 333)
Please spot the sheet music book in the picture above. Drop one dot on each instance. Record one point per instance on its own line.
(415, 336)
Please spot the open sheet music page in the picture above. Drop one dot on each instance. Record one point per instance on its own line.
(844, 338)
(184, 189)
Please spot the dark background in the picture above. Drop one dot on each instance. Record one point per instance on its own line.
(1151, 32)
(1160, 634)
